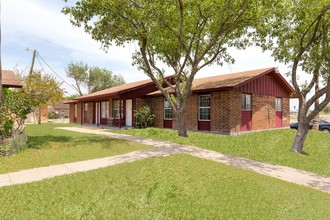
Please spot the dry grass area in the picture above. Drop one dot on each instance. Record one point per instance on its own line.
(293, 118)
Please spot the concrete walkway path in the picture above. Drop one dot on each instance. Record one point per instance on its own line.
(164, 148)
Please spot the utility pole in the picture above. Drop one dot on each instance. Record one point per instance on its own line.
(33, 59)
(30, 73)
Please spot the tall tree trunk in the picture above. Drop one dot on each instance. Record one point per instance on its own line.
(299, 140)
(182, 131)
(302, 131)
(316, 120)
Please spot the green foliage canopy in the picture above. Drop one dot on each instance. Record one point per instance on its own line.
(92, 78)
(184, 35)
(298, 34)
(41, 89)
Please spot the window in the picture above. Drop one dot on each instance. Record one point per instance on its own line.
(246, 102)
(85, 110)
(204, 108)
(115, 109)
(167, 110)
(105, 109)
(75, 111)
(278, 104)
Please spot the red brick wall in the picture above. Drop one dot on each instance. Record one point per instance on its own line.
(71, 112)
(88, 119)
(263, 112)
(71, 115)
(191, 113)
(79, 113)
(225, 111)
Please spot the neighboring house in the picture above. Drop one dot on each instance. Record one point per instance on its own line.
(60, 109)
(231, 103)
(10, 80)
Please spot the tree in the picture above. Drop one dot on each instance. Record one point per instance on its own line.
(92, 78)
(78, 71)
(100, 79)
(41, 89)
(299, 35)
(326, 110)
(1, 88)
(15, 107)
(184, 35)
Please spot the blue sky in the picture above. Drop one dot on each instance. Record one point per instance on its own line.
(40, 25)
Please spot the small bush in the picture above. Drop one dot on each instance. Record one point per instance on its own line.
(53, 115)
(144, 117)
(14, 144)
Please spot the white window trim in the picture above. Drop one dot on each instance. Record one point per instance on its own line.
(244, 108)
(276, 104)
(117, 116)
(167, 108)
(75, 110)
(199, 107)
(105, 110)
(85, 109)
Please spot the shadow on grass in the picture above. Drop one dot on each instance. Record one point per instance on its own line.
(39, 142)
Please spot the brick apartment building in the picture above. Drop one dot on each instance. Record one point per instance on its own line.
(230, 103)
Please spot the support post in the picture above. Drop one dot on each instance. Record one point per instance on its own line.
(119, 112)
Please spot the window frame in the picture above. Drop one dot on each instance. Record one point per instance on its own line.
(204, 107)
(105, 109)
(117, 109)
(167, 110)
(85, 109)
(75, 110)
(278, 103)
(245, 106)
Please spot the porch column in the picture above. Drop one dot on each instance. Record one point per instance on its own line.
(119, 112)
(82, 106)
(97, 113)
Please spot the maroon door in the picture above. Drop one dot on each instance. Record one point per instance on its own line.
(278, 116)
(167, 123)
(246, 120)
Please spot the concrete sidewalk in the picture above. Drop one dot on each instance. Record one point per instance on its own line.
(164, 148)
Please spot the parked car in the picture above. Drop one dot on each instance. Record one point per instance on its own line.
(323, 126)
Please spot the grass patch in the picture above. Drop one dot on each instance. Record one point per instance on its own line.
(175, 187)
(267, 146)
(48, 146)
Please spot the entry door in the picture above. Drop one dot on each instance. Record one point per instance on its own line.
(246, 120)
(129, 112)
(246, 112)
(278, 112)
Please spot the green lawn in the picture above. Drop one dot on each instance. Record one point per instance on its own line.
(268, 146)
(48, 146)
(175, 187)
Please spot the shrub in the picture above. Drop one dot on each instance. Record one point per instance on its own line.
(144, 117)
(14, 144)
(53, 115)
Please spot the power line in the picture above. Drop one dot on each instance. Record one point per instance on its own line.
(54, 71)
(20, 73)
